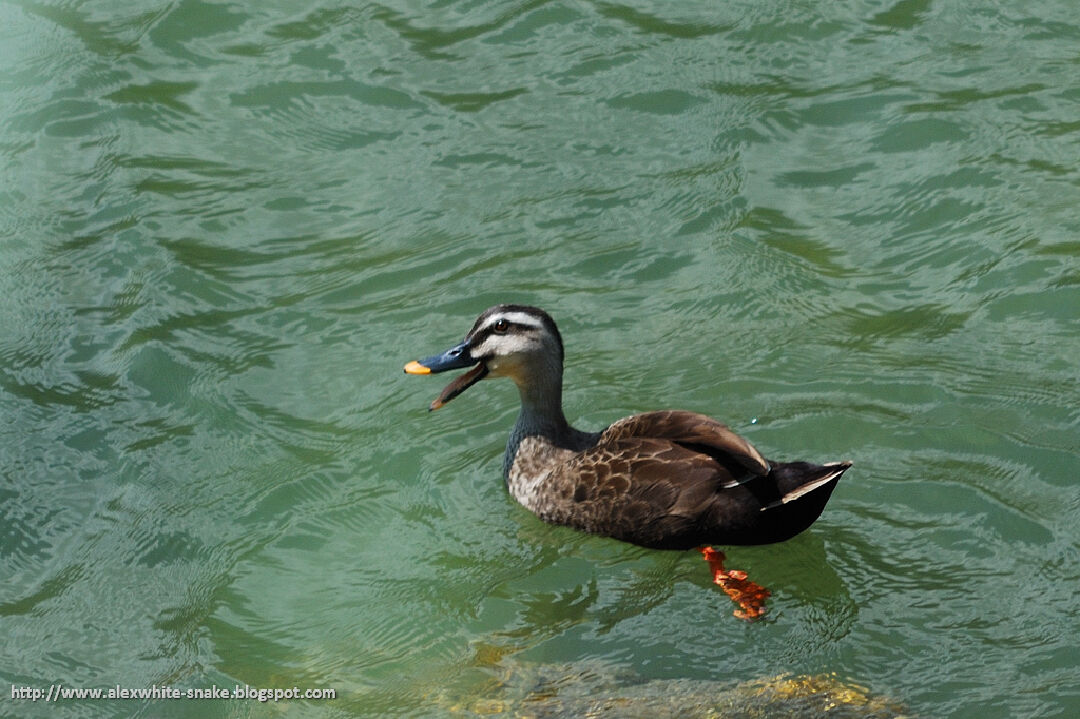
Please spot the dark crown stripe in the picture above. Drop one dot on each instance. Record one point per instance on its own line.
(477, 336)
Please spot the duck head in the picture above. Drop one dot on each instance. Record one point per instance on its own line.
(515, 341)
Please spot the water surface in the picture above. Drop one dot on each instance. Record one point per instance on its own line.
(850, 230)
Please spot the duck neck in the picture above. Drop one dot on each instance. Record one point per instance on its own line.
(541, 411)
(541, 414)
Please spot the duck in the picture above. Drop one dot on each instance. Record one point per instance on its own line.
(667, 479)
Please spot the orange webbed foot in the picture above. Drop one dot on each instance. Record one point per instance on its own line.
(749, 595)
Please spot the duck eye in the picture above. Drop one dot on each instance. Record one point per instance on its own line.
(501, 326)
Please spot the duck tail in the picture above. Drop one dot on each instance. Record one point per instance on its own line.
(806, 478)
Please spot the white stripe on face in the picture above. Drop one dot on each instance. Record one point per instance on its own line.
(526, 331)
(517, 318)
(503, 345)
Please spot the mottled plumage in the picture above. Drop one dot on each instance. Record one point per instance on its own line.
(668, 479)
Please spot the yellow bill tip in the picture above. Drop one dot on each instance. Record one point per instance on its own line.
(415, 367)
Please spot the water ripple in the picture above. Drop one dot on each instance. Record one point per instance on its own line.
(848, 230)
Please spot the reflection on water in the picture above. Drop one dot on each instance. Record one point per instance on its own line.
(848, 231)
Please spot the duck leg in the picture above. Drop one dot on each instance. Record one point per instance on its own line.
(750, 596)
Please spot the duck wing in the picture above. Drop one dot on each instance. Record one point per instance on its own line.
(676, 480)
(697, 432)
(648, 491)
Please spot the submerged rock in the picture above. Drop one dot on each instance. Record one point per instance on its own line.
(551, 692)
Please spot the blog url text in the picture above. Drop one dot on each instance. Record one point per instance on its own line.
(59, 692)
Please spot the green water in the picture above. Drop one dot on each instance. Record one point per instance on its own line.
(850, 230)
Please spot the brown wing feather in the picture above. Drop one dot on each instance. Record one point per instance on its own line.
(675, 480)
(690, 429)
(650, 491)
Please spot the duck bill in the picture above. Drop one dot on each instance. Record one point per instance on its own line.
(454, 358)
(459, 385)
